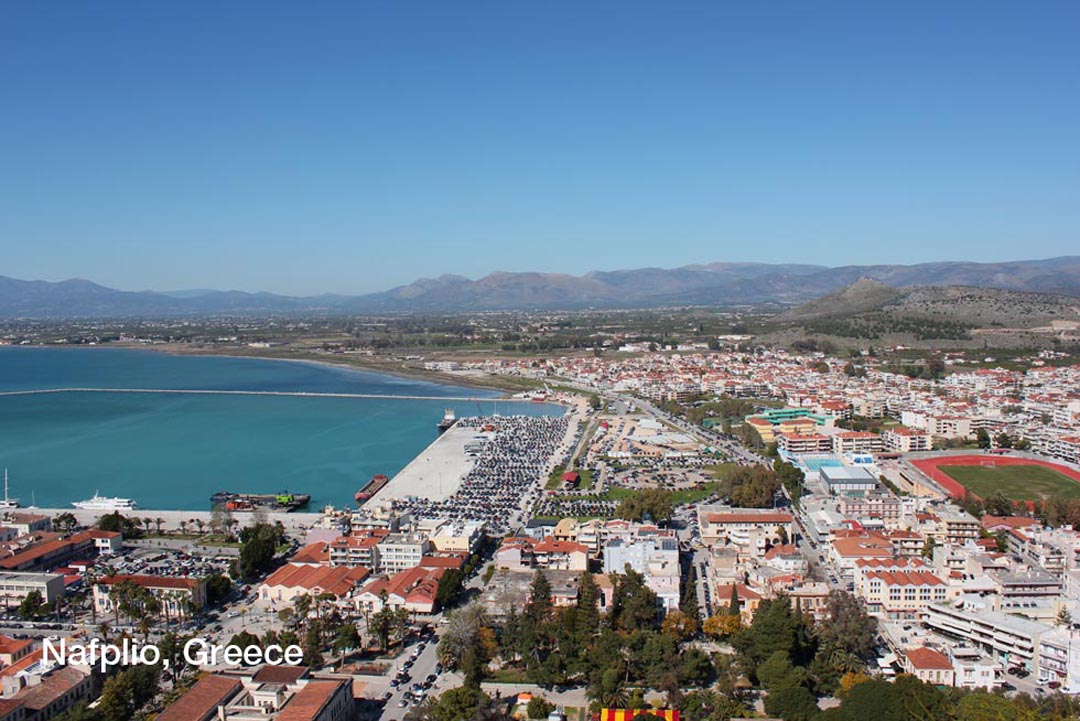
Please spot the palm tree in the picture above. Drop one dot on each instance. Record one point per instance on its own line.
(199, 523)
(104, 629)
(159, 522)
(183, 527)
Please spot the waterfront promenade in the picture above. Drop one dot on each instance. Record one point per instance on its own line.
(171, 519)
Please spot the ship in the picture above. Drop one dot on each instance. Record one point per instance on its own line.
(448, 419)
(283, 501)
(370, 488)
(102, 503)
(8, 504)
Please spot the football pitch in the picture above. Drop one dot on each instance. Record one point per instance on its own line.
(1019, 482)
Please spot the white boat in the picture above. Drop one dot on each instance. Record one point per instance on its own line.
(8, 503)
(101, 503)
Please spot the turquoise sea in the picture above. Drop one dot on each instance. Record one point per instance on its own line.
(171, 451)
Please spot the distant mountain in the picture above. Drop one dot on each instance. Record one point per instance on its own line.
(726, 284)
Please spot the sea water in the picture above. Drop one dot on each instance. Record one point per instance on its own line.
(172, 451)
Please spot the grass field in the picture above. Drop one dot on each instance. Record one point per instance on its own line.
(1022, 483)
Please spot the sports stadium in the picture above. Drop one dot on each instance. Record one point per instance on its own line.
(1022, 479)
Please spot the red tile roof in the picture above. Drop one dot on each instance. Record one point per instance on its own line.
(338, 581)
(927, 659)
(201, 701)
(310, 700)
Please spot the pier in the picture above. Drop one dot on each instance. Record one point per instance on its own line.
(286, 394)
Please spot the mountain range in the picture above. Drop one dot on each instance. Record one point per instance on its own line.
(716, 284)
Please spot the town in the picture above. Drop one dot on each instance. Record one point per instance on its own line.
(804, 533)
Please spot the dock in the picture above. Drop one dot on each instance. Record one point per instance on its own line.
(439, 469)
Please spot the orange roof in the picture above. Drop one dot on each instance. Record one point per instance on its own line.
(318, 552)
(552, 546)
(338, 581)
(748, 518)
(10, 645)
(927, 659)
(866, 547)
(723, 593)
(906, 578)
(784, 550)
(152, 581)
(309, 701)
(201, 700)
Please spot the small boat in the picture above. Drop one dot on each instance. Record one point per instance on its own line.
(8, 504)
(449, 418)
(101, 503)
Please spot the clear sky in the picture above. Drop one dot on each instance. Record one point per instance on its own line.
(310, 147)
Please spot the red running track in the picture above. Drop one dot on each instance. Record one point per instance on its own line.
(929, 466)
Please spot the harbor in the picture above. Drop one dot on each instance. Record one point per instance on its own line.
(437, 472)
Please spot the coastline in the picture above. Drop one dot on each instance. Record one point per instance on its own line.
(389, 368)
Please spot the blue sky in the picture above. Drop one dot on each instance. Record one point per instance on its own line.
(310, 147)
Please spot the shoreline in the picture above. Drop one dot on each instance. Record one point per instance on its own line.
(489, 382)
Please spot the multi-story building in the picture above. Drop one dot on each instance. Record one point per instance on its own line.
(14, 585)
(270, 693)
(179, 597)
(1006, 637)
(905, 440)
(401, 551)
(800, 444)
(874, 504)
(752, 529)
(655, 557)
(856, 442)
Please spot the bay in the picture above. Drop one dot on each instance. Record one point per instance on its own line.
(171, 451)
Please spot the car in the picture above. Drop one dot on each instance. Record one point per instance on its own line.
(1023, 673)
(1054, 684)
(402, 703)
(387, 696)
(1007, 687)
(394, 683)
(1012, 671)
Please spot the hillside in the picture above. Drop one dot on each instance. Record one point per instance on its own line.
(847, 289)
(957, 315)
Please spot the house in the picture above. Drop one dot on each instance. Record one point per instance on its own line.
(291, 581)
(415, 589)
(749, 600)
(929, 666)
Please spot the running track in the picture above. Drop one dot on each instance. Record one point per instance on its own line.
(930, 466)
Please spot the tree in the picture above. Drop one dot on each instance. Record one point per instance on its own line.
(792, 703)
(258, 544)
(32, 605)
(928, 547)
(722, 626)
(982, 437)
(1003, 440)
(312, 646)
(651, 503)
(347, 638)
(65, 522)
(733, 602)
(539, 707)
(218, 588)
(848, 626)
(1064, 618)
(679, 626)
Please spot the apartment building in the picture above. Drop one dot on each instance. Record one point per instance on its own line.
(270, 693)
(856, 442)
(800, 444)
(401, 551)
(752, 529)
(905, 440)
